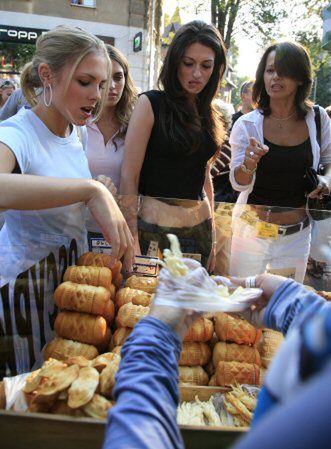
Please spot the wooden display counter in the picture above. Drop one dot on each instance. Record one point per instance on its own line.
(39, 430)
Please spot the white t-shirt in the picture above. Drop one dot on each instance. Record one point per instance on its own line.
(29, 237)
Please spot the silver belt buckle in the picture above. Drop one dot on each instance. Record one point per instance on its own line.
(282, 231)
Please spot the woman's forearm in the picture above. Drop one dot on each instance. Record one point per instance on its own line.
(28, 192)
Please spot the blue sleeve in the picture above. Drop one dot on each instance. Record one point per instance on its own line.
(146, 392)
(301, 423)
(291, 305)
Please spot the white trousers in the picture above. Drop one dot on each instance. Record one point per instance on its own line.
(251, 255)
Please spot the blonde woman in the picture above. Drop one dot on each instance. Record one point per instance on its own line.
(44, 175)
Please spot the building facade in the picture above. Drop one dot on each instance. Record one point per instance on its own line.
(130, 25)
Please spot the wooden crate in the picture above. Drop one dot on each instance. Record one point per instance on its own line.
(41, 430)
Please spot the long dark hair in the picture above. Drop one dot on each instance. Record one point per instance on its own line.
(178, 117)
(291, 61)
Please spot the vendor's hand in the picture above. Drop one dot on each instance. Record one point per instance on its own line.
(107, 182)
(323, 188)
(269, 283)
(113, 226)
(180, 320)
(254, 152)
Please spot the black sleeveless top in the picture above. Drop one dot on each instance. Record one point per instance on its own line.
(168, 172)
(279, 175)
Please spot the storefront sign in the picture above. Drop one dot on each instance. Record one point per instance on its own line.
(19, 35)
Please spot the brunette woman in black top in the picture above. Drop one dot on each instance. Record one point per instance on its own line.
(173, 135)
(271, 149)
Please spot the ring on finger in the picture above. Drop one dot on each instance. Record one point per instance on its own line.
(250, 282)
(251, 153)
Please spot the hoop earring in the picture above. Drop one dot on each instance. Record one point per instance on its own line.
(47, 104)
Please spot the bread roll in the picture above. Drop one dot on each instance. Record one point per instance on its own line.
(228, 352)
(269, 345)
(99, 277)
(194, 375)
(194, 354)
(107, 376)
(202, 331)
(61, 349)
(118, 281)
(120, 335)
(85, 298)
(235, 329)
(117, 350)
(229, 373)
(147, 284)
(137, 297)
(213, 381)
(112, 291)
(95, 260)
(129, 314)
(82, 327)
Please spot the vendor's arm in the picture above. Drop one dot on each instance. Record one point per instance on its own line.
(29, 192)
(136, 141)
(291, 305)
(146, 392)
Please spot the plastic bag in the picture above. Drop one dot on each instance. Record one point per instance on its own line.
(197, 291)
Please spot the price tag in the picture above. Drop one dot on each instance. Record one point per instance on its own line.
(267, 230)
(153, 248)
(145, 266)
(193, 256)
(100, 246)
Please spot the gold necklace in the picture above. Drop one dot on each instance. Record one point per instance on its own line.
(280, 120)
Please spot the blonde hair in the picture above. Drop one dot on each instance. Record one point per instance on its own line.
(129, 96)
(57, 48)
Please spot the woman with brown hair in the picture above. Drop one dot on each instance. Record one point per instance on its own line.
(105, 147)
(272, 147)
(173, 135)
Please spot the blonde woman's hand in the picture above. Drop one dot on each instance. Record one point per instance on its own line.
(113, 226)
(107, 182)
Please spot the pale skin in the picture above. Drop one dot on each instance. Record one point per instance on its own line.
(194, 72)
(71, 104)
(108, 123)
(282, 91)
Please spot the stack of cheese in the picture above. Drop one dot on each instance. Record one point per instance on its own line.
(132, 304)
(87, 310)
(236, 358)
(196, 353)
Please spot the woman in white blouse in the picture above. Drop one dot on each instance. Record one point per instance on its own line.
(271, 149)
(105, 148)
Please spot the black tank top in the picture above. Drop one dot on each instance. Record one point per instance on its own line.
(168, 172)
(279, 175)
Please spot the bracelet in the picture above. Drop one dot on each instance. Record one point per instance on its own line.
(248, 171)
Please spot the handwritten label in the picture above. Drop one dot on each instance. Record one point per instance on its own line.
(145, 266)
(100, 246)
